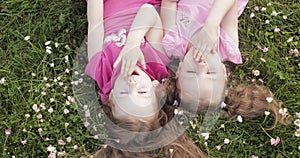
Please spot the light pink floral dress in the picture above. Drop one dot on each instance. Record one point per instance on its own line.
(191, 15)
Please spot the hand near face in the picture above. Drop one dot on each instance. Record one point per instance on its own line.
(129, 56)
(203, 42)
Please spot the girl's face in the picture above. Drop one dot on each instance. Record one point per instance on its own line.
(202, 83)
(134, 96)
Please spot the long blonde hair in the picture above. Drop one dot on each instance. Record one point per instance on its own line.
(250, 101)
(246, 100)
(182, 147)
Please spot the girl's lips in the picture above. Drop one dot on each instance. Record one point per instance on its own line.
(135, 73)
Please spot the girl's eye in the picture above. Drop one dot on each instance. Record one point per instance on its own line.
(211, 73)
(190, 71)
(123, 92)
(142, 92)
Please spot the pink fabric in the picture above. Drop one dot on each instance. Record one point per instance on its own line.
(100, 67)
(191, 16)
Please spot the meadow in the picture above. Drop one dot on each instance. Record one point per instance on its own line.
(40, 41)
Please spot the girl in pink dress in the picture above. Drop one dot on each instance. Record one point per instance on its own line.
(109, 34)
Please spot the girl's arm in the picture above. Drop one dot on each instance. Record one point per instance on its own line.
(168, 13)
(204, 41)
(217, 13)
(95, 26)
(147, 24)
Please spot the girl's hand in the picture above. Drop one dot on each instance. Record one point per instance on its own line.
(203, 42)
(129, 56)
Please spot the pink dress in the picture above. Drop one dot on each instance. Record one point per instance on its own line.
(118, 17)
(191, 16)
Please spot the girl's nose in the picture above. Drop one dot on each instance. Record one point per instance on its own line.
(132, 80)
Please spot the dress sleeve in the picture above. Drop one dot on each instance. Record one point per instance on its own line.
(174, 43)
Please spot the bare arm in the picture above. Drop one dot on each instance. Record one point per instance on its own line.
(168, 13)
(204, 41)
(95, 26)
(217, 12)
(149, 27)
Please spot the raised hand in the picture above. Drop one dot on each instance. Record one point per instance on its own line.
(203, 42)
(129, 56)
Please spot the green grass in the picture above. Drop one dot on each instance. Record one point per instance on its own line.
(65, 22)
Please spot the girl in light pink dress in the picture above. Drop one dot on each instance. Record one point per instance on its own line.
(202, 35)
(191, 17)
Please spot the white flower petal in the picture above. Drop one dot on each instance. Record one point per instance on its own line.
(298, 115)
(289, 40)
(2, 80)
(47, 43)
(205, 135)
(269, 99)
(226, 141)
(175, 111)
(239, 118)
(267, 113)
(27, 38)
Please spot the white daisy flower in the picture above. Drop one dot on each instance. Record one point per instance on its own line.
(27, 38)
(239, 118)
(47, 43)
(282, 111)
(297, 122)
(226, 141)
(298, 114)
(205, 135)
(269, 99)
(274, 13)
(2, 80)
(267, 21)
(289, 40)
(267, 113)
(51, 148)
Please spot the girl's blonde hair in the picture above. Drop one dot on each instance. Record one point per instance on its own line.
(250, 101)
(182, 147)
(246, 100)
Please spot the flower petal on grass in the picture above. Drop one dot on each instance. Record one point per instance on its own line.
(297, 133)
(275, 142)
(267, 113)
(239, 118)
(226, 141)
(269, 99)
(27, 38)
(297, 122)
(47, 43)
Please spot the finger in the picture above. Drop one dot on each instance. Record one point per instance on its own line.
(192, 49)
(117, 61)
(142, 62)
(206, 51)
(124, 63)
(127, 67)
(199, 54)
(130, 69)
